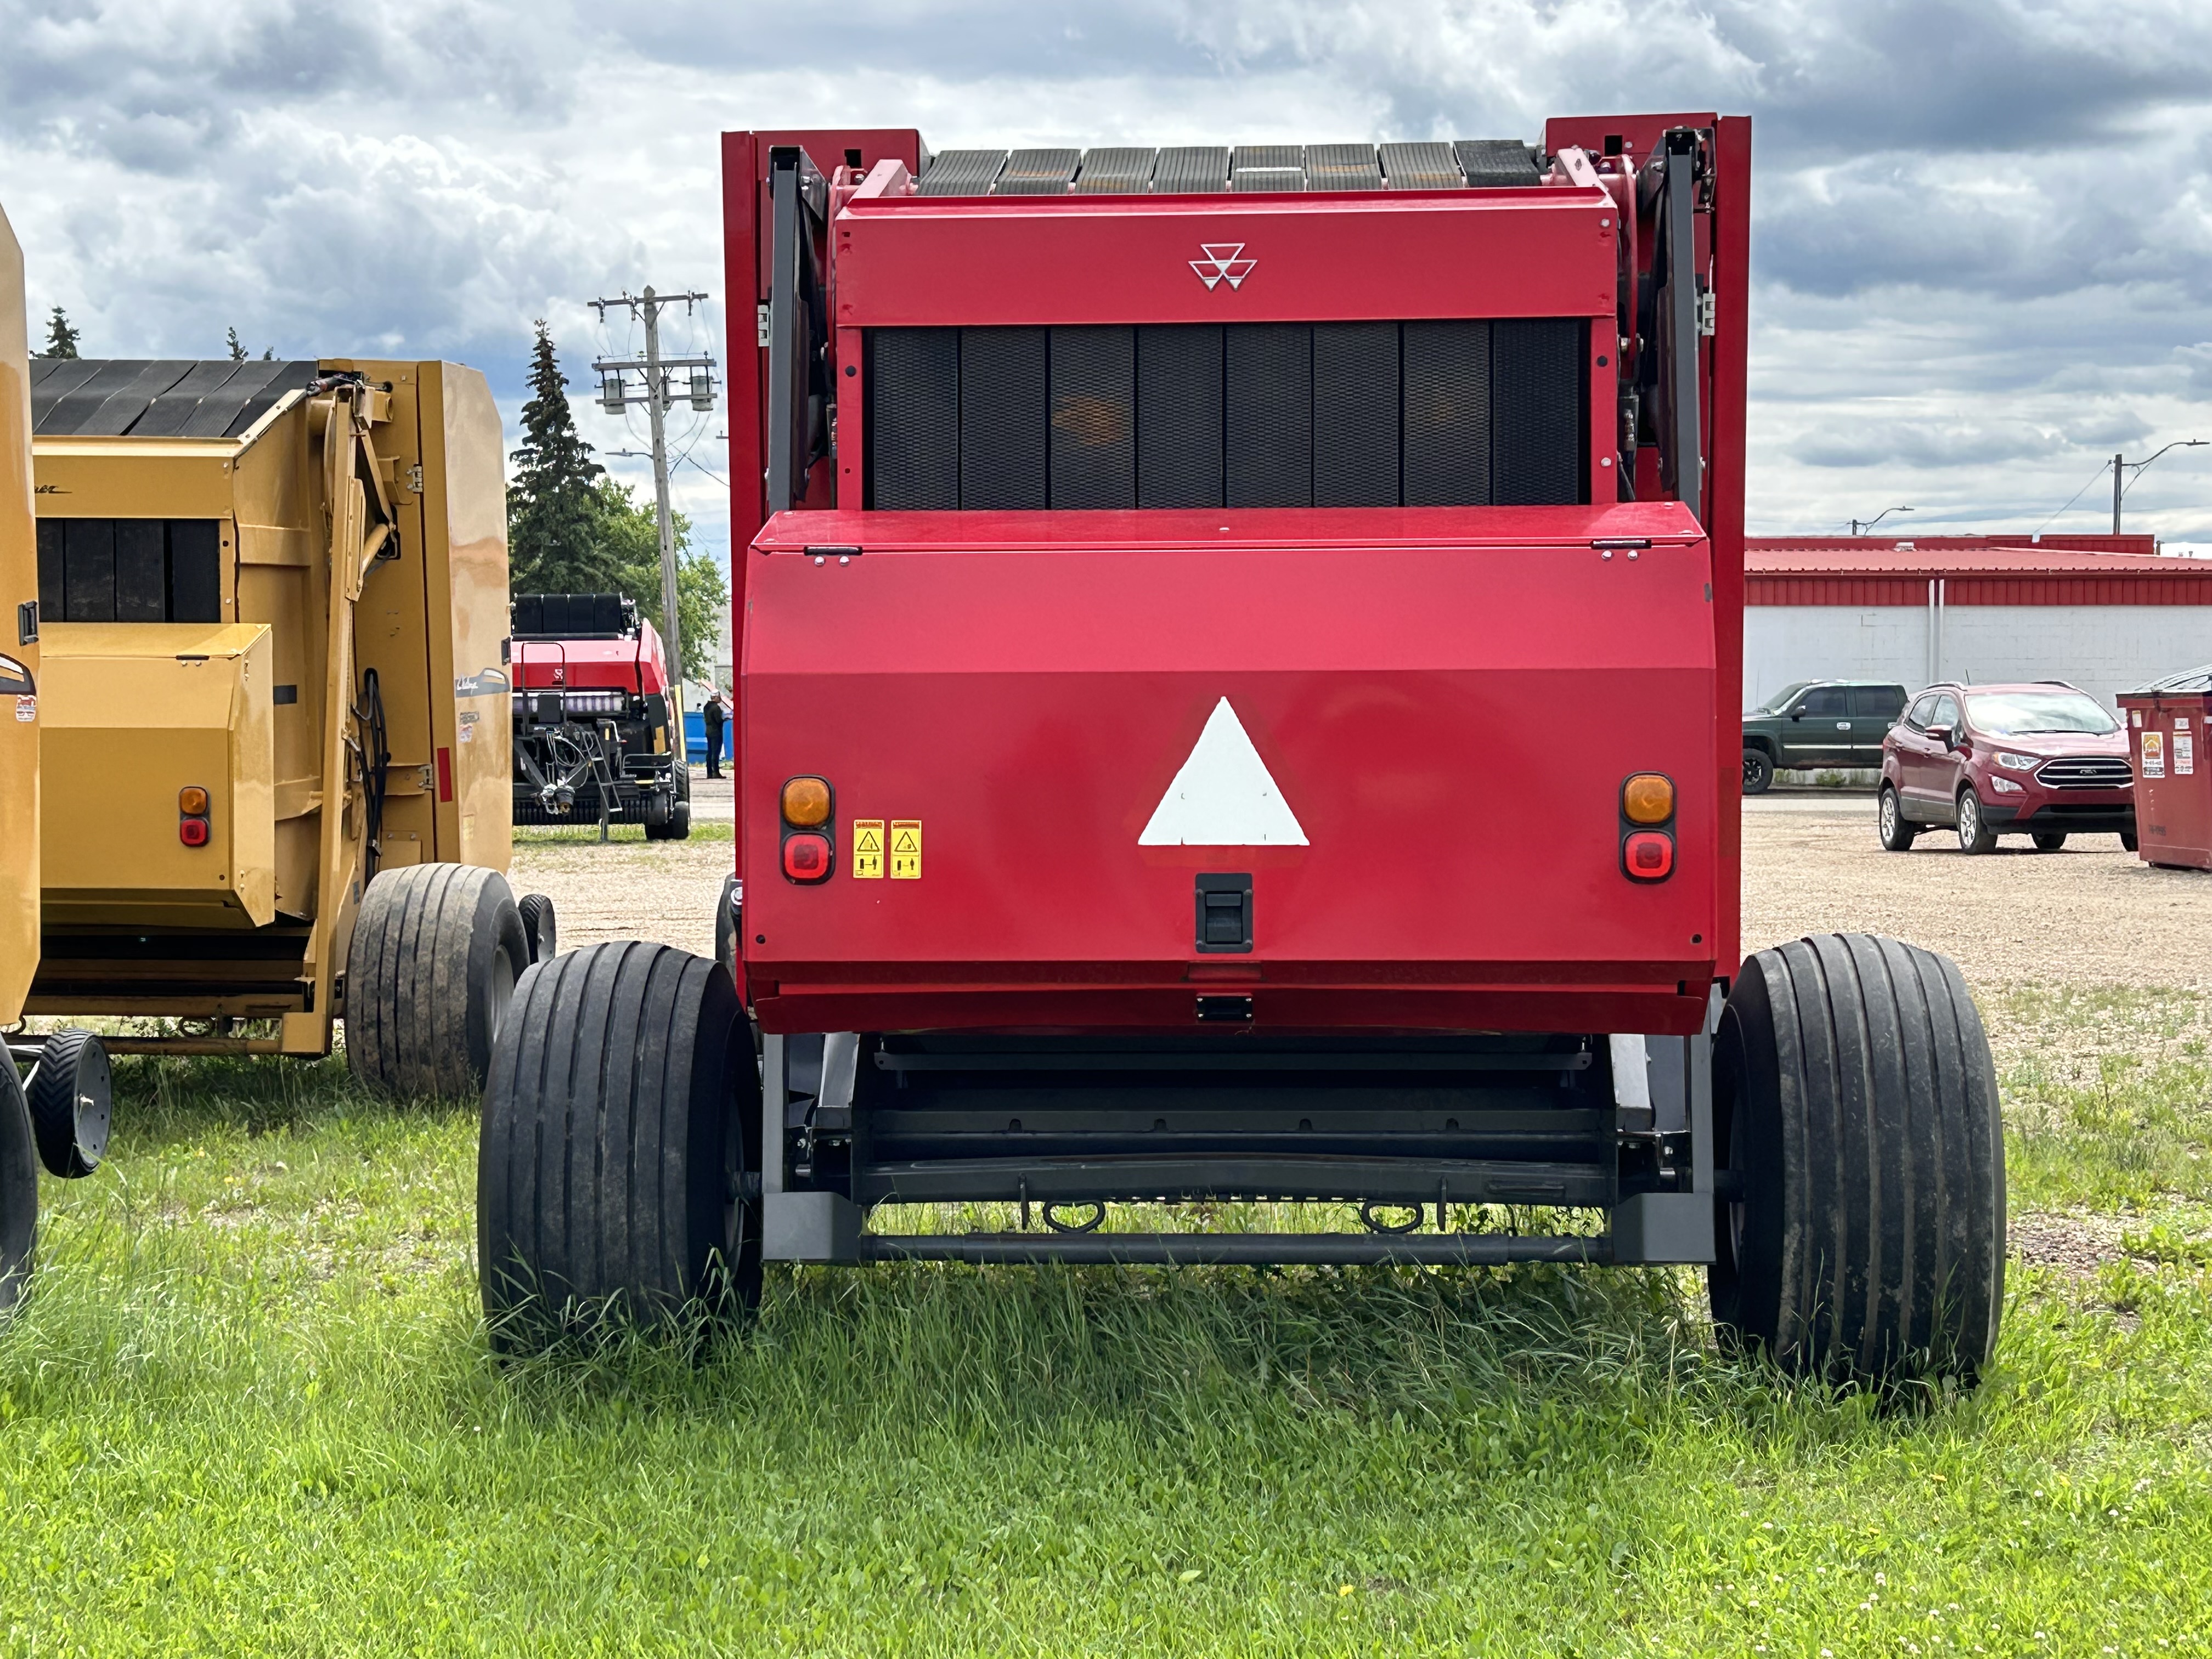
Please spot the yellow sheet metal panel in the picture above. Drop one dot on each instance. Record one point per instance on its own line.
(136, 478)
(464, 514)
(136, 713)
(19, 658)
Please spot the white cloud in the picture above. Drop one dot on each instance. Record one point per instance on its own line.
(1982, 231)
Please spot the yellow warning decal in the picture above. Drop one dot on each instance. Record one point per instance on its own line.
(906, 849)
(867, 849)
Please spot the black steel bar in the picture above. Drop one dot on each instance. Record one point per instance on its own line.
(1232, 1249)
(1108, 1060)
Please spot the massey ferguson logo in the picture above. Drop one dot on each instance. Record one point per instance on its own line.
(1224, 263)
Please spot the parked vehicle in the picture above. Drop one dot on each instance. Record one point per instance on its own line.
(2044, 759)
(591, 717)
(1817, 723)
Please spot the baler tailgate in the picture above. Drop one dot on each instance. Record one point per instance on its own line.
(1407, 759)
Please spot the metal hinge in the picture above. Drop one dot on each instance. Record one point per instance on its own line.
(761, 317)
(1708, 314)
(415, 478)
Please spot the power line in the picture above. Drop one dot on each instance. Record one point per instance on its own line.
(2076, 496)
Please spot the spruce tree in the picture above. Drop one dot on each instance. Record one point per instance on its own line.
(61, 338)
(237, 347)
(555, 543)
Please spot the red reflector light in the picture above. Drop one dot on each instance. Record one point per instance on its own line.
(193, 832)
(1648, 855)
(806, 858)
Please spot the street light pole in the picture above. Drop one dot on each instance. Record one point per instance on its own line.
(2121, 463)
(1859, 526)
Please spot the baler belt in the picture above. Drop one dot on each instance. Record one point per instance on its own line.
(1342, 166)
(961, 172)
(1268, 155)
(1116, 171)
(116, 397)
(1038, 172)
(1422, 166)
(1494, 163)
(1191, 171)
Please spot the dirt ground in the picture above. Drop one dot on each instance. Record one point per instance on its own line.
(2089, 915)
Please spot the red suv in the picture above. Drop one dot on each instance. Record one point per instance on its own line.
(2042, 759)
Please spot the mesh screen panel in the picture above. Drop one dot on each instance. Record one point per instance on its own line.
(1535, 407)
(1179, 415)
(142, 570)
(1431, 414)
(1447, 446)
(1355, 415)
(1268, 414)
(1094, 418)
(913, 418)
(89, 569)
(195, 570)
(1005, 416)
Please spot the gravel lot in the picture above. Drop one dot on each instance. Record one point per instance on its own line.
(2089, 915)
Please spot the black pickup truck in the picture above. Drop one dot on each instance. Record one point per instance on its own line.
(1817, 723)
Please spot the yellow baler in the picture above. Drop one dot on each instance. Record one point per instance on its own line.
(19, 770)
(278, 731)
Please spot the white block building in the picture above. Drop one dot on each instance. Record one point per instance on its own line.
(2104, 612)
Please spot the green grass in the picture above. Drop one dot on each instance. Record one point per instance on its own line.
(250, 1409)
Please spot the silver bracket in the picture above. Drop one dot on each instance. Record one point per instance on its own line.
(761, 316)
(1708, 313)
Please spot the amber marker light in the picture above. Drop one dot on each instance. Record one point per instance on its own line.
(806, 803)
(1647, 798)
(193, 801)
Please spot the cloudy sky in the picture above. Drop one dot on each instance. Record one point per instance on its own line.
(1982, 245)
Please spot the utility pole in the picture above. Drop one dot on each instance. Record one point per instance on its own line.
(2121, 464)
(616, 395)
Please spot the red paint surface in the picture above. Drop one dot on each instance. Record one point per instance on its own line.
(636, 666)
(1471, 682)
(444, 775)
(1027, 686)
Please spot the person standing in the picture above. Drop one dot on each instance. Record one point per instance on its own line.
(713, 717)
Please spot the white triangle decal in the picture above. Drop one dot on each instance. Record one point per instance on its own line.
(1223, 796)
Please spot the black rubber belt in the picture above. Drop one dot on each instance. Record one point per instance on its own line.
(1422, 166)
(1038, 172)
(1495, 163)
(1191, 170)
(1342, 166)
(1114, 172)
(962, 173)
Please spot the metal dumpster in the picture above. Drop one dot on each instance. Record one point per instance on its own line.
(2166, 722)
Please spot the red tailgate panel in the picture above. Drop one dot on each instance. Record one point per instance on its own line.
(1450, 726)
